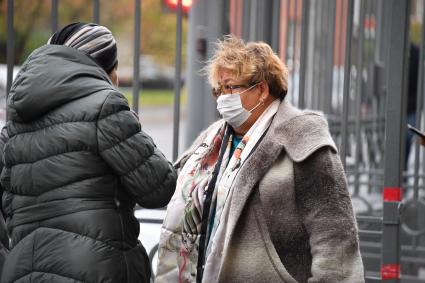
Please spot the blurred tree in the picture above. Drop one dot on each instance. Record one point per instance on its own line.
(27, 18)
(159, 32)
(32, 25)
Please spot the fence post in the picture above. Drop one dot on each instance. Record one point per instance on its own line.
(136, 56)
(96, 13)
(54, 16)
(177, 79)
(10, 46)
(347, 77)
(275, 28)
(394, 134)
(206, 25)
(303, 55)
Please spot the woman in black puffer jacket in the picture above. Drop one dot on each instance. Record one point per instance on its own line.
(75, 165)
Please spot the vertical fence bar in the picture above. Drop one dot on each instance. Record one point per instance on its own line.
(373, 130)
(287, 33)
(283, 28)
(96, 9)
(246, 19)
(260, 32)
(294, 45)
(379, 30)
(276, 25)
(321, 58)
(54, 16)
(339, 18)
(294, 36)
(370, 12)
(253, 15)
(10, 53)
(303, 55)
(347, 69)
(177, 81)
(359, 93)
(317, 55)
(394, 133)
(136, 55)
(328, 93)
(419, 104)
(297, 40)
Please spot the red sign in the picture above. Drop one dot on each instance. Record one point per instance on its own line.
(390, 271)
(392, 194)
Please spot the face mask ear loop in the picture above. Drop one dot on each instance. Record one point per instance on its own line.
(256, 106)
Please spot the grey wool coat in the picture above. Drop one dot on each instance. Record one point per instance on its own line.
(291, 218)
(75, 165)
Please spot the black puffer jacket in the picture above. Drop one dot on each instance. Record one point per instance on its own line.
(76, 164)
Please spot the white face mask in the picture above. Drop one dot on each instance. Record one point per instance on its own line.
(230, 108)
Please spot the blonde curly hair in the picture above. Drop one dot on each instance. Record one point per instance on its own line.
(250, 62)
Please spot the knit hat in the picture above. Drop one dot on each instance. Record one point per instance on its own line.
(95, 40)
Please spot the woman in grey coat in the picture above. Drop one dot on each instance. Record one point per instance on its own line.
(75, 165)
(261, 195)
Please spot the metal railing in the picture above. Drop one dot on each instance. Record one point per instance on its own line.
(370, 126)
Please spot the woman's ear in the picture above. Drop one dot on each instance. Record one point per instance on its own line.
(113, 75)
(264, 88)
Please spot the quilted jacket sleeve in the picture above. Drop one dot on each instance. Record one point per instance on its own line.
(324, 203)
(4, 240)
(144, 171)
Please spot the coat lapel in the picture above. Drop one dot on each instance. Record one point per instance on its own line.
(254, 168)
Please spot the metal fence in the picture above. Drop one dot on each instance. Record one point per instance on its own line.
(365, 99)
(351, 60)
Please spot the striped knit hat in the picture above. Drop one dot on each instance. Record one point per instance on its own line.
(95, 40)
